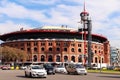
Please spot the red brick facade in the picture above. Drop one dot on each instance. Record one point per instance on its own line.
(51, 50)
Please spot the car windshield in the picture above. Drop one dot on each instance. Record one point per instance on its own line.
(79, 66)
(37, 67)
(60, 66)
(48, 66)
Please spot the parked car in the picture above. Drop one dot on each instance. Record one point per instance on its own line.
(110, 67)
(6, 67)
(76, 69)
(117, 68)
(23, 67)
(49, 68)
(35, 71)
(60, 69)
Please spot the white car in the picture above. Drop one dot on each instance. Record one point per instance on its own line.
(60, 69)
(23, 67)
(76, 69)
(35, 71)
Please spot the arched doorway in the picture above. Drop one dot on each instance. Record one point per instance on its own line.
(65, 58)
(42, 58)
(96, 60)
(57, 58)
(73, 58)
(35, 58)
(50, 58)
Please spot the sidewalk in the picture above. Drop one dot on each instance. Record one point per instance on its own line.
(104, 71)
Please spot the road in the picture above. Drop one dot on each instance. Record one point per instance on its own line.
(19, 75)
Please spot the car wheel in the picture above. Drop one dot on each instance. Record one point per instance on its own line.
(85, 74)
(68, 72)
(31, 75)
(76, 73)
(26, 74)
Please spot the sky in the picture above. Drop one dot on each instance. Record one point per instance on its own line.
(28, 14)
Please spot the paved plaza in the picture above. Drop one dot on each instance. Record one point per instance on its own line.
(19, 75)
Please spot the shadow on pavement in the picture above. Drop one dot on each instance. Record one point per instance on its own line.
(21, 76)
(111, 76)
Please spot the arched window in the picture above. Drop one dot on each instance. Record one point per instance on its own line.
(42, 58)
(35, 49)
(96, 60)
(50, 49)
(73, 58)
(50, 58)
(57, 58)
(72, 50)
(65, 58)
(57, 49)
(42, 49)
(79, 50)
(35, 58)
(65, 49)
(102, 60)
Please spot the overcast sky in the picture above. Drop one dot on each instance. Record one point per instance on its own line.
(105, 15)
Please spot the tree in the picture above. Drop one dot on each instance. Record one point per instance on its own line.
(10, 54)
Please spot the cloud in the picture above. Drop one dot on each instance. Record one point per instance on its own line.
(42, 2)
(12, 10)
(9, 26)
(54, 12)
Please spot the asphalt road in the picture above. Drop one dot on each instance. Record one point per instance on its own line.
(19, 75)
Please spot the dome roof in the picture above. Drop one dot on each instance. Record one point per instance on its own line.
(56, 28)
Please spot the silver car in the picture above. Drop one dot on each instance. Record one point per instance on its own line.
(35, 71)
(60, 69)
(76, 69)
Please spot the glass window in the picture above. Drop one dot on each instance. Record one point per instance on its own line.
(73, 58)
(35, 43)
(50, 43)
(72, 50)
(42, 58)
(65, 58)
(35, 49)
(42, 49)
(28, 44)
(65, 44)
(65, 49)
(72, 44)
(50, 49)
(58, 49)
(79, 45)
(58, 44)
(28, 49)
(42, 43)
(79, 50)
(58, 58)
(96, 60)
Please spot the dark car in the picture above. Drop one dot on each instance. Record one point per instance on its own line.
(110, 68)
(49, 68)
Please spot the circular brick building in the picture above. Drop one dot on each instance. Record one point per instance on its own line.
(57, 44)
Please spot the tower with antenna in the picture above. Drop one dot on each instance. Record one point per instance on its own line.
(86, 29)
